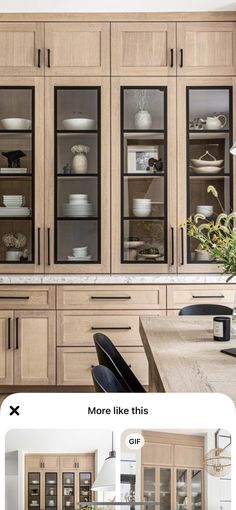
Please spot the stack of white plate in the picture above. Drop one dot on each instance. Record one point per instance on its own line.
(14, 206)
(78, 206)
(80, 254)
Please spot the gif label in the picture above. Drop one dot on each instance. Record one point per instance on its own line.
(134, 441)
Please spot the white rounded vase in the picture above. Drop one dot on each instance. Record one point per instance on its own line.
(80, 163)
(143, 119)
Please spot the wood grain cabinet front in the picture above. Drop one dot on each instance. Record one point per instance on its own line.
(6, 347)
(81, 49)
(74, 364)
(22, 47)
(179, 296)
(26, 297)
(206, 49)
(143, 49)
(115, 297)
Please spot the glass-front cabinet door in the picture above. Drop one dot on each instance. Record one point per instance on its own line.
(78, 175)
(68, 491)
(51, 491)
(196, 490)
(34, 490)
(143, 175)
(21, 175)
(158, 487)
(205, 135)
(182, 489)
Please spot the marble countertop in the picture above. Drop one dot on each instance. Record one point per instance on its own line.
(108, 279)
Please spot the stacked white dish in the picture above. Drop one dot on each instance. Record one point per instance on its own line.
(207, 210)
(142, 207)
(80, 254)
(16, 123)
(13, 170)
(211, 165)
(78, 206)
(14, 206)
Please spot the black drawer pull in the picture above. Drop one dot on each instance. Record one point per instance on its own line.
(115, 328)
(39, 236)
(17, 333)
(181, 57)
(172, 246)
(9, 332)
(110, 297)
(49, 57)
(171, 57)
(49, 247)
(14, 297)
(220, 296)
(39, 58)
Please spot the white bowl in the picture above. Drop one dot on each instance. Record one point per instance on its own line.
(75, 198)
(13, 255)
(141, 200)
(82, 123)
(143, 213)
(207, 210)
(204, 162)
(16, 123)
(207, 169)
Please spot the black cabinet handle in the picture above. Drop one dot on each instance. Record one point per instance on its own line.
(49, 57)
(49, 247)
(17, 333)
(218, 296)
(39, 58)
(9, 332)
(39, 237)
(172, 245)
(115, 328)
(182, 245)
(171, 57)
(181, 57)
(14, 297)
(110, 297)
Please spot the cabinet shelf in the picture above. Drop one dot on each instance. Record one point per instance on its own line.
(77, 176)
(68, 132)
(16, 176)
(143, 176)
(21, 218)
(203, 131)
(144, 131)
(15, 131)
(208, 176)
(77, 218)
(141, 218)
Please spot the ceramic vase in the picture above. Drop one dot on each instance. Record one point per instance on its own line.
(80, 163)
(143, 119)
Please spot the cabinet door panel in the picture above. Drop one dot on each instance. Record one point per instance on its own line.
(20, 45)
(35, 355)
(153, 451)
(86, 462)
(74, 364)
(51, 462)
(208, 49)
(189, 456)
(6, 348)
(77, 49)
(143, 49)
(33, 462)
(68, 462)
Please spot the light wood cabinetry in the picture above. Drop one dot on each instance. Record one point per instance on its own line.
(206, 49)
(55, 480)
(6, 358)
(172, 470)
(179, 296)
(28, 337)
(77, 49)
(143, 49)
(74, 364)
(22, 47)
(35, 360)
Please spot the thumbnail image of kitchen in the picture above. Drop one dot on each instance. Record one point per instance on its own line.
(176, 470)
(59, 469)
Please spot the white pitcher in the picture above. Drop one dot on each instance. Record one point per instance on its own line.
(215, 122)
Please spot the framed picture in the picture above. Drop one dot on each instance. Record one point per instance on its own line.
(68, 491)
(138, 157)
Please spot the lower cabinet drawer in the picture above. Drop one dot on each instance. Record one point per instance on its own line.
(26, 297)
(115, 297)
(179, 296)
(74, 364)
(78, 329)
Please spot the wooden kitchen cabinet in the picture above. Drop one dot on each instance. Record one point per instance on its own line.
(71, 224)
(81, 49)
(34, 353)
(206, 48)
(143, 49)
(172, 470)
(40, 461)
(6, 346)
(74, 364)
(179, 296)
(22, 46)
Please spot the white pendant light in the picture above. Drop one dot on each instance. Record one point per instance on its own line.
(218, 460)
(106, 477)
(232, 149)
